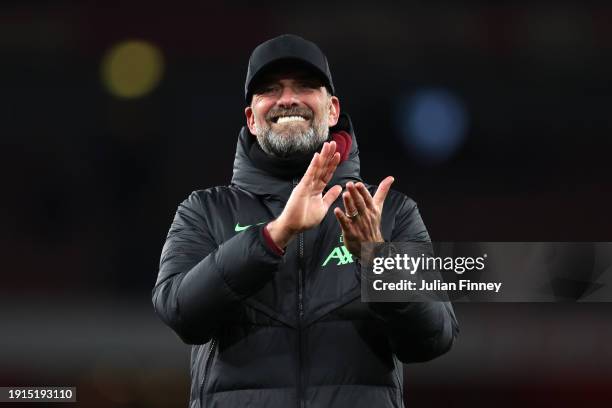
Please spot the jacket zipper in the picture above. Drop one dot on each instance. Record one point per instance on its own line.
(206, 368)
(300, 310)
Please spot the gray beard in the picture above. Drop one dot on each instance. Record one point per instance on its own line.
(293, 141)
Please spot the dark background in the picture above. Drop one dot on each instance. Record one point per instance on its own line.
(91, 180)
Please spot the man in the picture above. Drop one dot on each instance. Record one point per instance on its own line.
(262, 278)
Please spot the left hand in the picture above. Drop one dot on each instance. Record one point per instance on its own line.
(364, 226)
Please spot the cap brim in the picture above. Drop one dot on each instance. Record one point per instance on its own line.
(286, 63)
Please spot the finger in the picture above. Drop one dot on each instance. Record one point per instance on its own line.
(325, 151)
(382, 190)
(329, 147)
(323, 160)
(357, 198)
(331, 168)
(328, 157)
(320, 160)
(312, 169)
(367, 197)
(332, 147)
(331, 196)
(343, 220)
(349, 206)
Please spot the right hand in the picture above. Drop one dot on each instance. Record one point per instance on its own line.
(307, 205)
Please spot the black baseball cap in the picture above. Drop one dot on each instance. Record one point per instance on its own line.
(287, 48)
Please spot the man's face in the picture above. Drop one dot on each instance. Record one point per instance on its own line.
(291, 112)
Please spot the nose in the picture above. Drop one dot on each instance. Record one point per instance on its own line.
(288, 97)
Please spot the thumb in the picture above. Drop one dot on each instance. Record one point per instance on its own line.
(331, 196)
(382, 190)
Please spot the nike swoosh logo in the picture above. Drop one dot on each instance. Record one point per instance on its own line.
(239, 228)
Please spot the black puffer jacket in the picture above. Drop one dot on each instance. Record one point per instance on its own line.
(287, 331)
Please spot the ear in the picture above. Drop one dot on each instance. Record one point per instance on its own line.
(250, 119)
(334, 111)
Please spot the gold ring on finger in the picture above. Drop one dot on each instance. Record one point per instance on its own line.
(353, 215)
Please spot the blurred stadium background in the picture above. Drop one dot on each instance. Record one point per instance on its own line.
(495, 118)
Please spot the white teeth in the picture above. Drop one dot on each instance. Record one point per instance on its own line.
(284, 119)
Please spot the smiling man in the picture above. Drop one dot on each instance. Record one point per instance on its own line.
(291, 111)
(263, 279)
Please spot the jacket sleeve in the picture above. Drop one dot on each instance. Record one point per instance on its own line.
(417, 331)
(200, 282)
